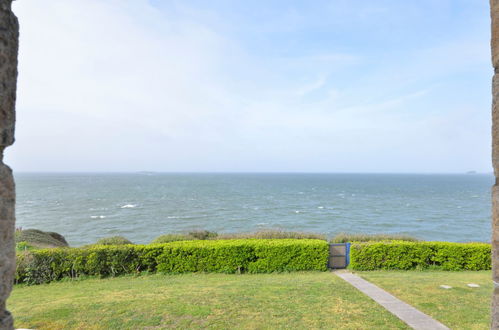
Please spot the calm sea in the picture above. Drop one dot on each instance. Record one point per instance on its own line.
(141, 206)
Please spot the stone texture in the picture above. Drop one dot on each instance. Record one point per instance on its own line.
(9, 36)
(494, 14)
(494, 9)
(7, 253)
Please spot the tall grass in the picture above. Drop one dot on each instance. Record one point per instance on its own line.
(345, 237)
(272, 234)
(167, 238)
(261, 234)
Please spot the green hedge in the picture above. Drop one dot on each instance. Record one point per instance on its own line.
(420, 255)
(230, 256)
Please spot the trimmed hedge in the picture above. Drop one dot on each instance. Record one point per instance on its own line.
(231, 256)
(420, 255)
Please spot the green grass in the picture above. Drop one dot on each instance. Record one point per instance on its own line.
(261, 301)
(459, 308)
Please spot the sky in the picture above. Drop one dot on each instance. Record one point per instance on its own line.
(253, 86)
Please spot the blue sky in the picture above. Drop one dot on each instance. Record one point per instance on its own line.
(267, 86)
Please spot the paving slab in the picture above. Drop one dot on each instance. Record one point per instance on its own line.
(408, 314)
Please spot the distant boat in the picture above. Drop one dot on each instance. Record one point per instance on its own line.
(471, 172)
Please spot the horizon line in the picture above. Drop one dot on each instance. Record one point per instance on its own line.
(247, 172)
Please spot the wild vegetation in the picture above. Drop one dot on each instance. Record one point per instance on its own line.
(260, 234)
(345, 238)
(272, 234)
(34, 238)
(114, 240)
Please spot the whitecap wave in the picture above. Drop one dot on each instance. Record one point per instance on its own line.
(97, 216)
(129, 206)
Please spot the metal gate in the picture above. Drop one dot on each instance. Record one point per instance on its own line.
(339, 255)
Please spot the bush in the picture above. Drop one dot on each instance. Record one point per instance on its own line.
(40, 239)
(191, 236)
(24, 246)
(223, 256)
(203, 234)
(420, 255)
(167, 238)
(345, 238)
(262, 234)
(272, 234)
(58, 237)
(113, 240)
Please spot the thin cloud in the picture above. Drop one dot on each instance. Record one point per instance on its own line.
(125, 85)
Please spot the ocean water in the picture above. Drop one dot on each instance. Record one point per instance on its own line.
(141, 206)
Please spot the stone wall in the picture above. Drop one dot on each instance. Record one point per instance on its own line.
(9, 36)
(494, 13)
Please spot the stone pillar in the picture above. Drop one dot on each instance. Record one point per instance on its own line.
(9, 36)
(494, 14)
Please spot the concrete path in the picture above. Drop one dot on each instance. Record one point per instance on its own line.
(410, 315)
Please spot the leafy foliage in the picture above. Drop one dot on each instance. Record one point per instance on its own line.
(24, 246)
(114, 240)
(221, 256)
(420, 255)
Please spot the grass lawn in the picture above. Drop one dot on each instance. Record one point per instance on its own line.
(461, 307)
(293, 301)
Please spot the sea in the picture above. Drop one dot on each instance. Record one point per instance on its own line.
(141, 206)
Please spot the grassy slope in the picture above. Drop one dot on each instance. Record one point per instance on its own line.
(459, 308)
(294, 300)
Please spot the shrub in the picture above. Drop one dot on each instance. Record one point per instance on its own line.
(40, 239)
(203, 234)
(24, 246)
(345, 238)
(281, 255)
(167, 238)
(420, 255)
(272, 234)
(58, 237)
(226, 256)
(113, 240)
(191, 236)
